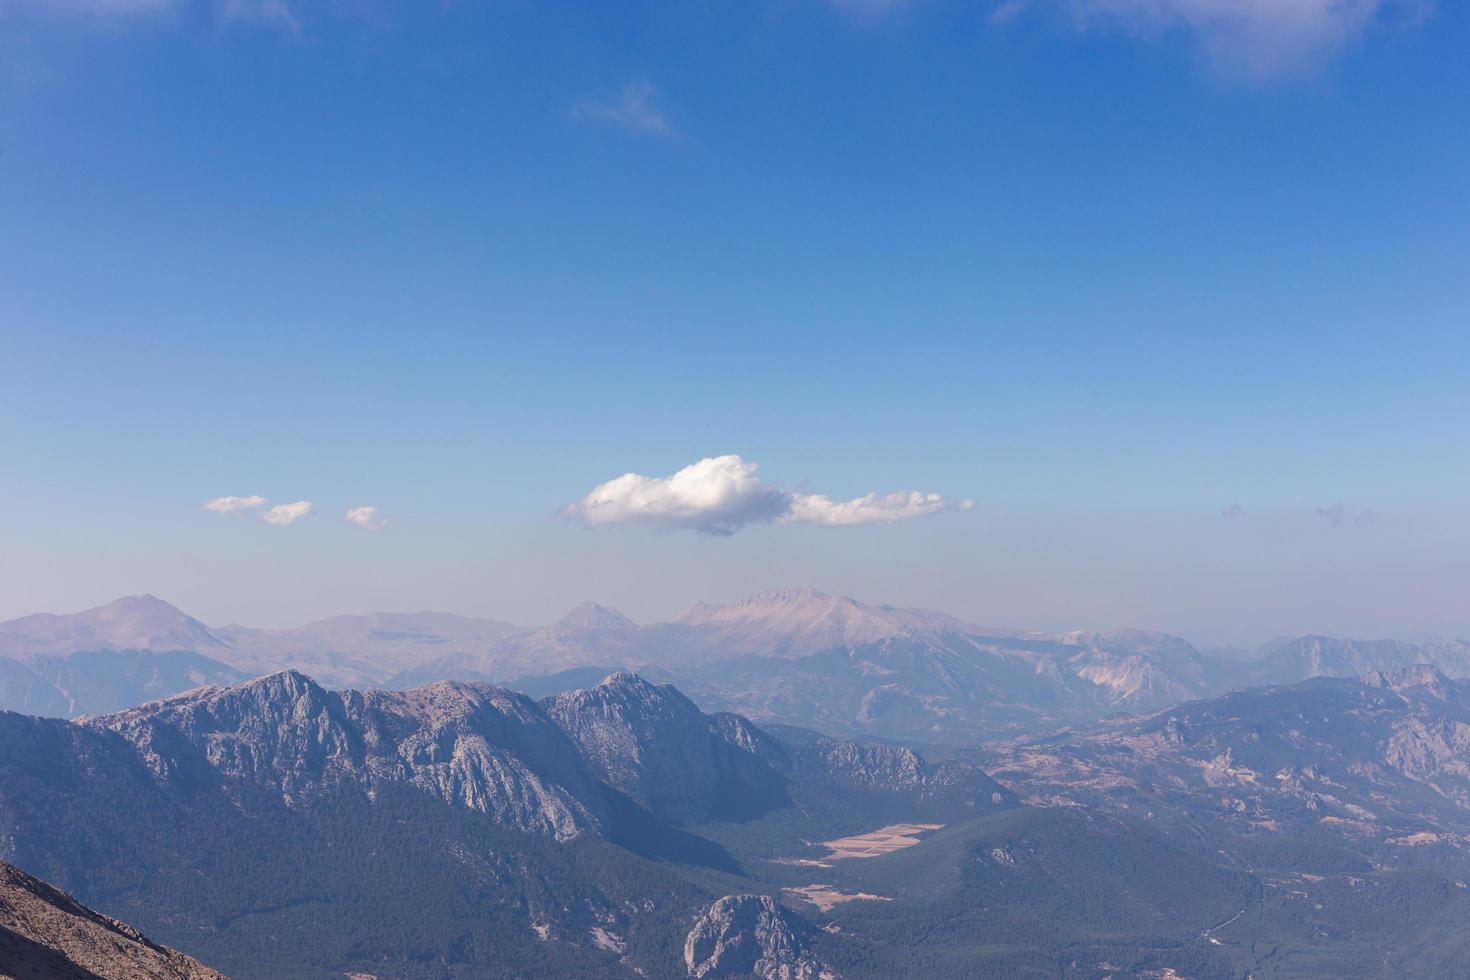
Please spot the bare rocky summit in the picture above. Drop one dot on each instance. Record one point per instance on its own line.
(653, 744)
(45, 934)
(752, 936)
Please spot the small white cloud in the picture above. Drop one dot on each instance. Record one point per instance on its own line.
(634, 106)
(722, 494)
(366, 518)
(284, 515)
(1260, 38)
(234, 505)
(870, 509)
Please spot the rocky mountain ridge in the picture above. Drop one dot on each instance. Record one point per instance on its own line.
(535, 767)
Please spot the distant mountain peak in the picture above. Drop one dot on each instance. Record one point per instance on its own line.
(786, 597)
(136, 622)
(624, 678)
(147, 601)
(591, 616)
(631, 690)
(289, 679)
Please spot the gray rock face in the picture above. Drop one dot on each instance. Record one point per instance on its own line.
(651, 743)
(751, 935)
(469, 745)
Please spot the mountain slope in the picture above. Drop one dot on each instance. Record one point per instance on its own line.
(45, 934)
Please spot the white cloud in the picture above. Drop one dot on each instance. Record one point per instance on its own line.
(1261, 38)
(634, 106)
(284, 515)
(234, 505)
(366, 518)
(722, 494)
(870, 509)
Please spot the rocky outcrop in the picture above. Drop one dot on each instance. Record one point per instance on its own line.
(46, 934)
(653, 744)
(751, 935)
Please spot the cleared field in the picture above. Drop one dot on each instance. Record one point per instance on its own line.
(884, 840)
(826, 898)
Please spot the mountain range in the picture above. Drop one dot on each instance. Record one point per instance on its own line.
(275, 828)
(796, 657)
(280, 829)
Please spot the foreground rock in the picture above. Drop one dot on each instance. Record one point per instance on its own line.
(46, 934)
(751, 935)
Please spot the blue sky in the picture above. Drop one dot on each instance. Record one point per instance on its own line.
(1103, 267)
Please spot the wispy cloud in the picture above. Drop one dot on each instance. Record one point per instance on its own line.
(634, 107)
(366, 518)
(234, 505)
(1008, 10)
(1258, 38)
(275, 15)
(722, 494)
(284, 515)
(89, 8)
